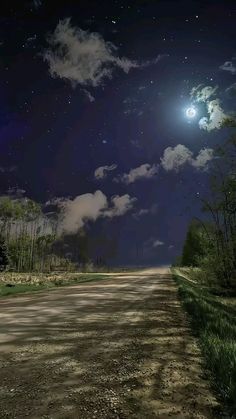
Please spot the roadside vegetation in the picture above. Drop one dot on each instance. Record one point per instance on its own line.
(21, 284)
(206, 274)
(213, 320)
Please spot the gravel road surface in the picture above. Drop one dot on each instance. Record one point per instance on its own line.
(114, 348)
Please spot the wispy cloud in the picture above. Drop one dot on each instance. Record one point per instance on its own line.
(145, 211)
(101, 172)
(152, 243)
(85, 58)
(141, 212)
(9, 169)
(231, 90)
(229, 66)
(202, 93)
(176, 157)
(145, 171)
(89, 96)
(157, 243)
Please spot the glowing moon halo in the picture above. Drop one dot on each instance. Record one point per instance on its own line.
(191, 112)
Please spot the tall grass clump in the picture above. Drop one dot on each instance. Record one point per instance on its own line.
(214, 323)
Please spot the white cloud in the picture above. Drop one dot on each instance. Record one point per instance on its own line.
(89, 96)
(229, 66)
(101, 172)
(144, 211)
(120, 205)
(175, 157)
(157, 243)
(216, 116)
(202, 94)
(74, 213)
(178, 156)
(141, 212)
(145, 171)
(84, 58)
(231, 89)
(153, 243)
(205, 155)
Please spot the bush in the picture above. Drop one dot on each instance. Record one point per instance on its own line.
(194, 245)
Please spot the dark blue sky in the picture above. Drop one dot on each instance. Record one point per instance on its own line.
(57, 129)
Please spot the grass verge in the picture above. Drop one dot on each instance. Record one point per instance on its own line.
(14, 289)
(214, 324)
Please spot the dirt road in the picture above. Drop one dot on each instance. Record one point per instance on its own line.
(115, 348)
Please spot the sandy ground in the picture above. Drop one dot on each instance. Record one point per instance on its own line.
(116, 348)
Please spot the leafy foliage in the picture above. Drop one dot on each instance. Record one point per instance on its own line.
(213, 245)
(4, 259)
(195, 245)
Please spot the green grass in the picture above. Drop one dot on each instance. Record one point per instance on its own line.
(47, 285)
(214, 323)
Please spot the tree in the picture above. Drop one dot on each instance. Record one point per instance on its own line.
(221, 205)
(4, 259)
(194, 248)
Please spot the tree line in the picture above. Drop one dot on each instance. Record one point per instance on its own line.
(30, 240)
(211, 244)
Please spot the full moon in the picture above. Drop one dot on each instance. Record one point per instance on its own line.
(191, 112)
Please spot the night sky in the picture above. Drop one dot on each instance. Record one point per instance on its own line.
(91, 90)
